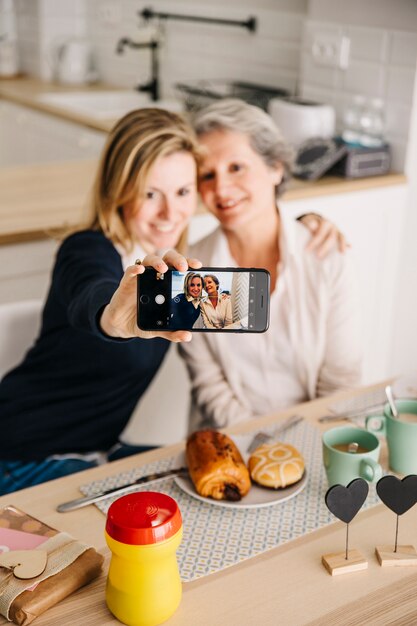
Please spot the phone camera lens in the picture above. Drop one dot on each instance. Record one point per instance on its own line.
(159, 299)
(159, 322)
(144, 299)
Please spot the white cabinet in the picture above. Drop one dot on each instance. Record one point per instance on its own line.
(28, 136)
(372, 221)
(25, 270)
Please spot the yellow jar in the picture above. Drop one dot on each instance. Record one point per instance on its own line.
(143, 532)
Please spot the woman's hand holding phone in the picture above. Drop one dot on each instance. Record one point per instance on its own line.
(211, 299)
(119, 316)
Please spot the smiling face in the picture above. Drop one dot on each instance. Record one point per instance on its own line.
(158, 220)
(210, 286)
(195, 287)
(235, 183)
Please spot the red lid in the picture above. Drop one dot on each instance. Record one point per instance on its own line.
(143, 518)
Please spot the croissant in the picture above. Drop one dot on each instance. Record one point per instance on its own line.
(216, 466)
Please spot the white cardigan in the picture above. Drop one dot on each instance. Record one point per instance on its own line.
(324, 331)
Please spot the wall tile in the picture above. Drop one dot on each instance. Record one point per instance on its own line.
(279, 25)
(400, 84)
(364, 78)
(403, 49)
(191, 51)
(397, 118)
(382, 60)
(382, 63)
(61, 8)
(319, 75)
(368, 44)
(316, 29)
(28, 7)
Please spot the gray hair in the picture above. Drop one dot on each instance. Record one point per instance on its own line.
(264, 136)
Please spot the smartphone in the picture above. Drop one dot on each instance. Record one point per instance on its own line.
(210, 299)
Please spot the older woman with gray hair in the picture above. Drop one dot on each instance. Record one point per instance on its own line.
(313, 346)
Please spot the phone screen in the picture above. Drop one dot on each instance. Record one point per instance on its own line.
(210, 299)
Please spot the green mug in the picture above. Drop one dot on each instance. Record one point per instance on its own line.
(343, 466)
(401, 435)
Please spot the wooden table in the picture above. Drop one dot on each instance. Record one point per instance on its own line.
(286, 585)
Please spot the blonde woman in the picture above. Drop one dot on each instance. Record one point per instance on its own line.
(185, 307)
(63, 408)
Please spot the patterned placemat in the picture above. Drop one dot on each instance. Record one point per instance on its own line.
(216, 537)
(368, 403)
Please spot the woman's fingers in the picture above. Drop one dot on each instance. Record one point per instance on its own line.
(172, 258)
(329, 237)
(195, 264)
(342, 244)
(176, 260)
(180, 262)
(177, 336)
(325, 237)
(128, 282)
(157, 262)
(118, 318)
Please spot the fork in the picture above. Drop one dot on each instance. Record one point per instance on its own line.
(262, 437)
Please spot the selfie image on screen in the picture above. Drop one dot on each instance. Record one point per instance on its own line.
(209, 300)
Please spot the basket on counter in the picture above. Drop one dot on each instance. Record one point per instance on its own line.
(198, 94)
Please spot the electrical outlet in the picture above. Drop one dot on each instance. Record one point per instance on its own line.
(331, 50)
(110, 13)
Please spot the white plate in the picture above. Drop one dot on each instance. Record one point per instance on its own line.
(257, 496)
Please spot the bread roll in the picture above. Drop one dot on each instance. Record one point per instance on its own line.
(276, 465)
(216, 466)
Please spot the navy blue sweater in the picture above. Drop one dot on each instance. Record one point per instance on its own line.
(76, 389)
(184, 314)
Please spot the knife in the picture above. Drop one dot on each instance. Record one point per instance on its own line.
(80, 502)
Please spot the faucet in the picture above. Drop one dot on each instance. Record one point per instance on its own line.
(152, 86)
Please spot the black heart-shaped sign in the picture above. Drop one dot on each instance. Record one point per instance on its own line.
(398, 495)
(345, 502)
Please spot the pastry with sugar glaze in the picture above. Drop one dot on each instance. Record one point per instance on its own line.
(276, 465)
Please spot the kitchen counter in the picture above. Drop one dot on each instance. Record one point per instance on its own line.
(24, 91)
(38, 198)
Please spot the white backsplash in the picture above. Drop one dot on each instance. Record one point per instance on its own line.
(382, 64)
(382, 60)
(43, 25)
(194, 50)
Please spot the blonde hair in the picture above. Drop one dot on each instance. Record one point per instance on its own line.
(134, 144)
(189, 278)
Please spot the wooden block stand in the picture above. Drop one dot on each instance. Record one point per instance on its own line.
(336, 562)
(405, 556)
